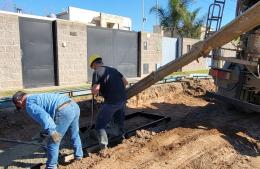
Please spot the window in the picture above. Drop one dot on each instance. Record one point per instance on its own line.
(110, 25)
(188, 48)
(145, 45)
(145, 68)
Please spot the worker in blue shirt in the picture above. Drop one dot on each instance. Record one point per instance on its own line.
(56, 114)
(110, 83)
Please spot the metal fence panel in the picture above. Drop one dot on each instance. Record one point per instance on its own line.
(118, 48)
(36, 38)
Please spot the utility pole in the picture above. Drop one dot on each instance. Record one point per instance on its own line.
(143, 17)
(157, 7)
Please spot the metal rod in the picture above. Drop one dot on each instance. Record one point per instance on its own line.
(148, 124)
(21, 142)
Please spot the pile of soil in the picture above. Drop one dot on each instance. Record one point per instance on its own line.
(169, 92)
(198, 87)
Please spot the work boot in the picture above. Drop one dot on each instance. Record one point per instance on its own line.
(102, 138)
(78, 158)
(122, 133)
(103, 146)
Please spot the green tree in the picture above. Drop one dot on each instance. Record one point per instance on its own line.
(191, 27)
(178, 20)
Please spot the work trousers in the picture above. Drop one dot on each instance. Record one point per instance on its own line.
(107, 113)
(65, 119)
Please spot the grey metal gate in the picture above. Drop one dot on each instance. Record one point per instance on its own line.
(36, 37)
(118, 48)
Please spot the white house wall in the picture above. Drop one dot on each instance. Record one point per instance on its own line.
(82, 15)
(127, 24)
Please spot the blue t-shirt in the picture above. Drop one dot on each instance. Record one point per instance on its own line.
(42, 108)
(112, 87)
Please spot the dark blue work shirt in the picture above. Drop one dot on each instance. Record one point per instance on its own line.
(112, 87)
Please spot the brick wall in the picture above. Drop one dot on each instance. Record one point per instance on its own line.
(204, 62)
(151, 52)
(72, 52)
(226, 53)
(10, 53)
(201, 64)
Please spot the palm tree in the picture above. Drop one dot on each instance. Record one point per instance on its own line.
(191, 27)
(178, 20)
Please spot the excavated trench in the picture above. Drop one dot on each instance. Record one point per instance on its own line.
(200, 134)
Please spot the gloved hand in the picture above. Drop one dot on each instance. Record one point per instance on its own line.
(55, 136)
(99, 99)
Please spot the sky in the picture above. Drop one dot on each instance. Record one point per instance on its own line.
(127, 8)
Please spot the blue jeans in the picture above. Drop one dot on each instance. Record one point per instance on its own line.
(65, 119)
(105, 115)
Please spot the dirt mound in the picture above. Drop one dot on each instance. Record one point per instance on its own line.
(156, 92)
(198, 87)
(170, 91)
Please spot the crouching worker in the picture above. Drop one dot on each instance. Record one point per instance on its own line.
(56, 114)
(110, 83)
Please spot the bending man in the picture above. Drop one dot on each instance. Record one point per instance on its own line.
(56, 114)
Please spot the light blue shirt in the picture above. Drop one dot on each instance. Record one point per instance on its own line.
(42, 108)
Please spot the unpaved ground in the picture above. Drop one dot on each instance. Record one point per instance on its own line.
(200, 135)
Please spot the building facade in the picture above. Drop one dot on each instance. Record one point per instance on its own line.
(41, 51)
(94, 18)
